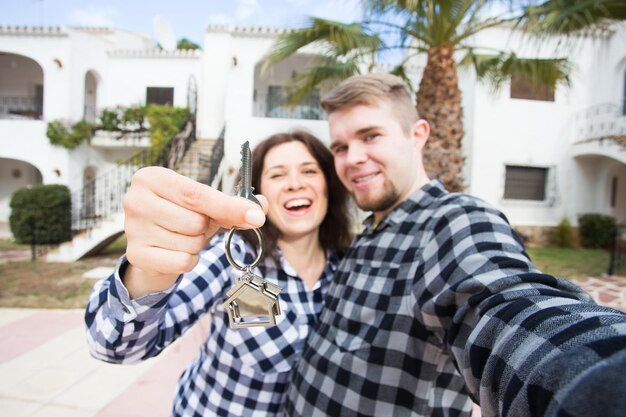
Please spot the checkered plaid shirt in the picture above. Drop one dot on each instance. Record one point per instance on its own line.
(440, 301)
(241, 372)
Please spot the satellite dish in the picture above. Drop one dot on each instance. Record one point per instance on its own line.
(164, 33)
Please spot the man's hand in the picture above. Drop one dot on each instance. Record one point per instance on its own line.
(168, 218)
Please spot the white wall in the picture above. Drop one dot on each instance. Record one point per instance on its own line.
(129, 74)
(506, 131)
(25, 140)
(13, 176)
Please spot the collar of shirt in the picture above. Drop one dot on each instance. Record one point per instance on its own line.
(332, 260)
(423, 198)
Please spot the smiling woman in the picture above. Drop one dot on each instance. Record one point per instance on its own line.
(307, 231)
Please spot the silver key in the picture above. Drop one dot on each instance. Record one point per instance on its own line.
(252, 301)
(245, 188)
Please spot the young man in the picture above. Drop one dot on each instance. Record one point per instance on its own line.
(437, 301)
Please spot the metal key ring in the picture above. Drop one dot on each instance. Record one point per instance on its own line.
(229, 256)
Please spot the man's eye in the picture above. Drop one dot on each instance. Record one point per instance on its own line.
(370, 137)
(337, 150)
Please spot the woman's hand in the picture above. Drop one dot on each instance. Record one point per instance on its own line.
(168, 218)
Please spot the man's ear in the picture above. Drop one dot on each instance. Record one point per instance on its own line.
(420, 133)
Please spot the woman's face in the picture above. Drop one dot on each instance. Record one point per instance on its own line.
(295, 187)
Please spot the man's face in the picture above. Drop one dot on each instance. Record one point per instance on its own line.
(377, 161)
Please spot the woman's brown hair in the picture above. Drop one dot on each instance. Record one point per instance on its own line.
(335, 231)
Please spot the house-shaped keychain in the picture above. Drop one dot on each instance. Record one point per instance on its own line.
(252, 302)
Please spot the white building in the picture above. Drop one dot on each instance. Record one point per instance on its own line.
(567, 149)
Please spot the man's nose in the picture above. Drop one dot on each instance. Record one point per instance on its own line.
(355, 154)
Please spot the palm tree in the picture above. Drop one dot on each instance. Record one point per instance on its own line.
(439, 29)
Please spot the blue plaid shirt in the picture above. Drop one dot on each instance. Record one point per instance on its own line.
(440, 301)
(241, 372)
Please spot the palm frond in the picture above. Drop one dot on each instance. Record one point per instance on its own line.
(327, 73)
(332, 39)
(381, 7)
(496, 70)
(571, 17)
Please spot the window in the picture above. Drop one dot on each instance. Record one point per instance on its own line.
(525, 183)
(308, 108)
(521, 88)
(160, 95)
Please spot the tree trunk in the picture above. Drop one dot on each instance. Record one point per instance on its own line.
(439, 103)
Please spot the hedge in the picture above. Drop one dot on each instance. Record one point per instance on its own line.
(596, 230)
(41, 214)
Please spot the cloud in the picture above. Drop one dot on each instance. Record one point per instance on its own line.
(297, 2)
(93, 16)
(246, 9)
(344, 11)
(220, 19)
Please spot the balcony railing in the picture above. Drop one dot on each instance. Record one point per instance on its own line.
(277, 107)
(20, 107)
(601, 121)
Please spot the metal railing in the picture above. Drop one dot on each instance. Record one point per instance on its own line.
(20, 108)
(600, 121)
(181, 144)
(102, 197)
(273, 106)
(617, 261)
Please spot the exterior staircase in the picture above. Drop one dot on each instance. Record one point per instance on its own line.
(97, 212)
(196, 164)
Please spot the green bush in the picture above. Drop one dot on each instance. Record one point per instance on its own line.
(563, 234)
(596, 230)
(41, 214)
(109, 120)
(70, 138)
(165, 122)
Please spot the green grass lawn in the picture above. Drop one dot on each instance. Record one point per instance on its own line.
(6, 244)
(570, 263)
(43, 284)
(61, 285)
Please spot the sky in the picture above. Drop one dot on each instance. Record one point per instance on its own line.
(187, 18)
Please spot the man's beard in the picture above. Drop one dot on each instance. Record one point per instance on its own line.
(379, 203)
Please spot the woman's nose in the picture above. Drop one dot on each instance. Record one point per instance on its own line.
(294, 181)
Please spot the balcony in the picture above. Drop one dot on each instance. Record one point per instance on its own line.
(600, 130)
(108, 139)
(21, 108)
(274, 104)
(603, 121)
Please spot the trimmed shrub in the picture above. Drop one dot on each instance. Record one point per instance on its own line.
(563, 234)
(41, 214)
(596, 230)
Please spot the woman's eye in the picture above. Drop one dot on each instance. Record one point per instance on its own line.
(370, 137)
(277, 175)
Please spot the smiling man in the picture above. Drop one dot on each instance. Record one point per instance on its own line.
(437, 301)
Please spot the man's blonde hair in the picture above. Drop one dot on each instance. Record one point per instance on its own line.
(369, 89)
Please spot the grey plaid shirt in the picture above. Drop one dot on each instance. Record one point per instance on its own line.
(242, 372)
(440, 300)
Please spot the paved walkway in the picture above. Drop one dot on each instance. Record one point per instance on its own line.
(46, 371)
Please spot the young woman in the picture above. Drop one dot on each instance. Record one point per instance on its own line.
(144, 306)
